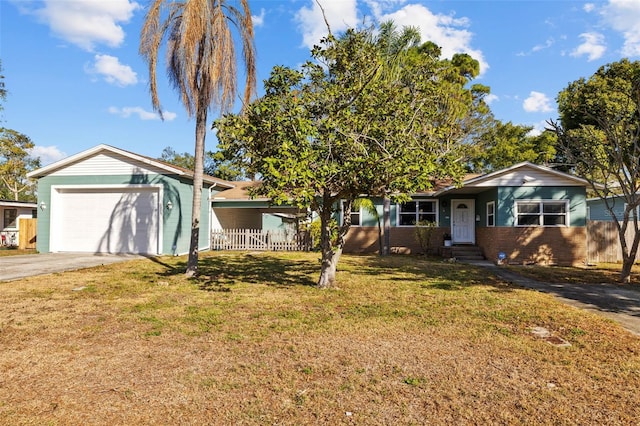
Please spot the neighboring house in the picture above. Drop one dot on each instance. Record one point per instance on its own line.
(108, 200)
(597, 208)
(11, 214)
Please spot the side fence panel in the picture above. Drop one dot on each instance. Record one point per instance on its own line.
(259, 240)
(603, 244)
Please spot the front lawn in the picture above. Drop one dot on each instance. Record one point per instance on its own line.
(403, 340)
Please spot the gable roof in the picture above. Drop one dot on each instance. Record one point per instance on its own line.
(162, 165)
(239, 192)
(521, 174)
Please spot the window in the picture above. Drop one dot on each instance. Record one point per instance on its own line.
(491, 213)
(356, 216)
(415, 211)
(542, 213)
(10, 216)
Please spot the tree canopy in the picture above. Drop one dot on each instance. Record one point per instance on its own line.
(367, 115)
(599, 133)
(15, 163)
(215, 163)
(506, 144)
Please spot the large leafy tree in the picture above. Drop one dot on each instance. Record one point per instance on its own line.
(506, 144)
(599, 133)
(15, 163)
(360, 118)
(216, 163)
(201, 65)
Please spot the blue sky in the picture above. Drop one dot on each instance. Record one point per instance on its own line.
(75, 78)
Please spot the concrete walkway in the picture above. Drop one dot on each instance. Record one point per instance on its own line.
(621, 304)
(16, 267)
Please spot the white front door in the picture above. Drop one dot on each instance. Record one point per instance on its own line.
(463, 224)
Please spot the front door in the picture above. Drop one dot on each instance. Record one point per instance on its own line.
(463, 224)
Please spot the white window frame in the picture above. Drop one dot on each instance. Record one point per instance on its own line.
(491, 204)
(353, 212)
(416, 214)
(541, 214)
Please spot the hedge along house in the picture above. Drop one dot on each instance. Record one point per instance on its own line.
(108, 200)
(527, 213)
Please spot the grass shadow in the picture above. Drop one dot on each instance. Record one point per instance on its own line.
(431, 272)
(220, 272)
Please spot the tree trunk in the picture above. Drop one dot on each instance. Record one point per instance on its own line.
(329, 267)
(332, 250)
(386, 219)
(196, 206)
(628, 253)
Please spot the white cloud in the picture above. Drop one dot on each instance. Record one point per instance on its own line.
(491, 98)
(110, 68)
(589, 7)
(624, 17)
(258, 20)
(47, 154)
(537, 102)
(447, 31)
(126, 112)
(593, 46)
(87, 23)
(340, 15)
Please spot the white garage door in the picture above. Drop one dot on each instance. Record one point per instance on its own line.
(105, 220)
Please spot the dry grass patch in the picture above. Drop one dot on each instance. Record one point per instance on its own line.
(402, 341)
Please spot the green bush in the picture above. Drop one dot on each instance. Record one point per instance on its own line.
(424, 232)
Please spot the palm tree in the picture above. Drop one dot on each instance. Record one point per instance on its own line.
(201, 65)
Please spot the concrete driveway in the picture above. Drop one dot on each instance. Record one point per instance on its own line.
(16, 267)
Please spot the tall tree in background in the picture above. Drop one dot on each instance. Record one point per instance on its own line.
(343, 127)
(216, 163)
(15, 159)
(202, 66)
(506, 144)
(599, 133)
(15, 163)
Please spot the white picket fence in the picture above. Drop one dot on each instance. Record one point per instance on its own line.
(259, 240)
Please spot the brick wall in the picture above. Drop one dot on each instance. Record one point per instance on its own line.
(544, 245)
(364, 239)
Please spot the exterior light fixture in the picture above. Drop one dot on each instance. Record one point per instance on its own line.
(169, 205)
(43, 205)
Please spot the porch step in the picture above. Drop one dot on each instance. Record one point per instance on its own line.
(465, 252)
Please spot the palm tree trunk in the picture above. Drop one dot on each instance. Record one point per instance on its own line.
(201, 132)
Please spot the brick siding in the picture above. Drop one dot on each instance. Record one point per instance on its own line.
(543, 245)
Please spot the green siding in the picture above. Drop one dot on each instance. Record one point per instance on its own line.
(176, 222)
(508, 195)
(481, 206)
